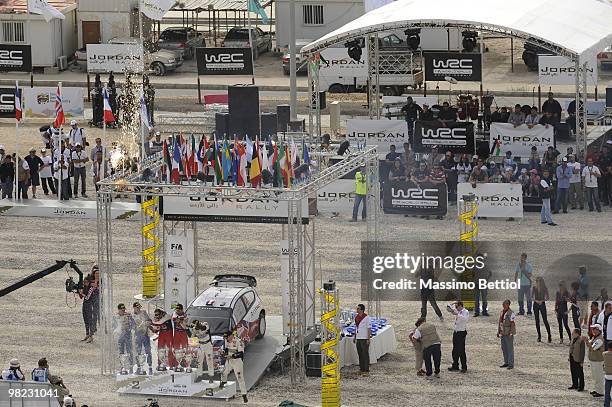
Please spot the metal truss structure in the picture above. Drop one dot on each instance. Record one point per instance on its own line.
(146, 183)
(373, 72)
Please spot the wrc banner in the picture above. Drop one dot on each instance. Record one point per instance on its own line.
(382, 133)
(495, 200)
(455, 137)
(408, 198)
(519, 140)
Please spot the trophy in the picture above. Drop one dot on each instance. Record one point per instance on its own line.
(163, 359)
(179, 354)
(124, 359)
(140, 361)
(188, 358)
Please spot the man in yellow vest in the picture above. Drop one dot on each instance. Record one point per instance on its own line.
(360, 193)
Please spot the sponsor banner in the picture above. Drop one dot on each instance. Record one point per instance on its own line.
(411, 199)
(7, 102)
(67, 210)
(464, 67)
(156, 9)
(176, 384)
(224, 61)
(495, 200)
(382, 133)
(39, 102)
(15, 58)
(339, 196)
(219, 209)
(102, 58)
(335, 62)
(456, 137)
(179, 265)
(505, 137)
(559, 70)
(284, 264)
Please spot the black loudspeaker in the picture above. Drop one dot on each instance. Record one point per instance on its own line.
(343, 147)
(322, 100)
(244, 111)
(222, 121)
(608, 97)
(283, 115)
(313, 364)
(297, 126)
(268, 125)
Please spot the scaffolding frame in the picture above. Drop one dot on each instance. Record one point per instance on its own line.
(298, 236)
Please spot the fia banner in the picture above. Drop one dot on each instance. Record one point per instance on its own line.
(464, 67)
(339, 196)
(39, 102)
(457, 137)
(408, 198)
(495, 200)
(309, 280)
(15, 58)
(505, 137)
(224, 61)
(559, 70)
(7, 102)
(382, 133)
(102, 58)
(219, 209)
(179, 264)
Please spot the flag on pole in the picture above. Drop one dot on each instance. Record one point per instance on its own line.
(255, 170)
(144, 114)
(18, 110)
(156, 9)
(265, 164)
(203, 155)
(45, 9)
(59, 110)
(226, 160)
(108, 112)
(305, 154)
(167, 161)
(177, 163)
(242, 166)
(249, 149)
(256, 7)
(216, 162)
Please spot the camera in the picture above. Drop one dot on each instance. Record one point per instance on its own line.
(72, 286)
(151, 403)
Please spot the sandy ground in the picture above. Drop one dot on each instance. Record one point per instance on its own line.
(42, 321)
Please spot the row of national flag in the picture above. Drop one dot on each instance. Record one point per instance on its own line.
(238, 163)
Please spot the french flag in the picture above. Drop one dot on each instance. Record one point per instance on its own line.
(18, 110)
(177, 162)
(108, 112)
(59, 110)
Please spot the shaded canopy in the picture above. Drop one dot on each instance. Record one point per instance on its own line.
(576, 28)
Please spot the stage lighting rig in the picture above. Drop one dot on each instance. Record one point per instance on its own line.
(469, 40)
(354, 50)
(413, 38)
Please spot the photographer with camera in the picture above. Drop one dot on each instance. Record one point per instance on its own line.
(590, 175)
(86, 294)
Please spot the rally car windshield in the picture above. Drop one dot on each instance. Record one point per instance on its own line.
(219, 319)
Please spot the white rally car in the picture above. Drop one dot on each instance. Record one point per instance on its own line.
(231, 300)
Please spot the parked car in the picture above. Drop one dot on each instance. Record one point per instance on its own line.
(181, 39)
(238, 37)
(300, 61)
(605, 59)
(230, 301)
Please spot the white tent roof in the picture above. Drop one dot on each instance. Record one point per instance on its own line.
(577, 27)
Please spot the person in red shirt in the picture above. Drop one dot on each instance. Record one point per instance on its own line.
(162, 325)
(181, 339)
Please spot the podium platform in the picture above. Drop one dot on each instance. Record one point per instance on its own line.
(73, 209)
(177, 384)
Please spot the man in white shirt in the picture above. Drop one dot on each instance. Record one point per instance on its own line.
(61, 175)
(575, 191)
(79, 161)
(45, 172)
(76, 135)
(459, 335)
(362, 339)
(605, 320)
(590, 174)
(99, 169)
